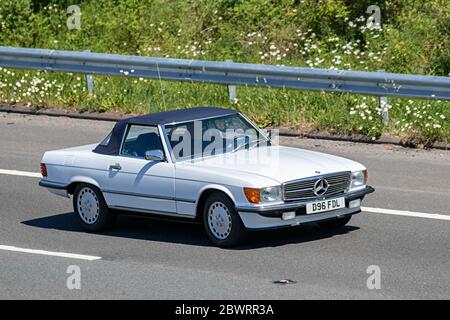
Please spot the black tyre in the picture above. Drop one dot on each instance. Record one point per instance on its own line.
(335, 223)
(222, 223)
(90, 208)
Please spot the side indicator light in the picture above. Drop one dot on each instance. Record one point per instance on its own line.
(252, 195)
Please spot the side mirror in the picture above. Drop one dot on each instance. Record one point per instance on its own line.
(155, 155)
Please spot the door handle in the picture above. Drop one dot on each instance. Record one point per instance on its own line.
(115, 166)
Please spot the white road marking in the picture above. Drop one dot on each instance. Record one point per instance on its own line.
(21, 173)
(407, 213)
(50, 253)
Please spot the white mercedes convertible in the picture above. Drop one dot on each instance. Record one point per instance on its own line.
(205, 164)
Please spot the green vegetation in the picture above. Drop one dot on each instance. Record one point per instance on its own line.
(414, 38)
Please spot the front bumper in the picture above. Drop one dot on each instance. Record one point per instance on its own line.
(269, 216)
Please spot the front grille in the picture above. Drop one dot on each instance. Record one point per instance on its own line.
(301, 189)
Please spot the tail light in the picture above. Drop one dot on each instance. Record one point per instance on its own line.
(43, 170)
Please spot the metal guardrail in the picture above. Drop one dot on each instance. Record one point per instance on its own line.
(229, 73)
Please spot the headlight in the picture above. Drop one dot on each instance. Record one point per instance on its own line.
(359, 179)
(270, 194)
(263, 195)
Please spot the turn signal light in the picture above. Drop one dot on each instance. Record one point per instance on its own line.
(252, 195)
(43, 170)
(366, 175)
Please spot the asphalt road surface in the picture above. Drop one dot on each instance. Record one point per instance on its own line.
(404, 230)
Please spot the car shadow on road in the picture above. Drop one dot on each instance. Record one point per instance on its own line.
(150, 229)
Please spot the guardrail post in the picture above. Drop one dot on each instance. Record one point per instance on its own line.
(383, 101)
(384, 111)
(232, 91)
(89, 81)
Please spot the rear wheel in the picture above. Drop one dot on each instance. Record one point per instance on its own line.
(90, 208)
(222, 223)
(335, 223)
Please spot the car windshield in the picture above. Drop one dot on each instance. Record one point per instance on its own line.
(208, 137)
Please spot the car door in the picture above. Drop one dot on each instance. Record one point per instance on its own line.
(135, 183)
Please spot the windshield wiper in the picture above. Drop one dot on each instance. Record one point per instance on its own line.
(247, 144)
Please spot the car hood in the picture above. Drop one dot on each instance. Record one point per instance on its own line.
(277, 162)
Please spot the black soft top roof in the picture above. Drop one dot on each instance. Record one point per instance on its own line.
(159, 118)
(181, 115)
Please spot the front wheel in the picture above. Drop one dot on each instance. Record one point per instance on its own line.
(90, 208)
(335, 223)
(222, 222)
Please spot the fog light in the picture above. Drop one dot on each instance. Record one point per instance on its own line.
(288, 215)
(354, 203)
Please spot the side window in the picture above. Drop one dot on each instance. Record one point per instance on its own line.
(140, 139)
(105, 141)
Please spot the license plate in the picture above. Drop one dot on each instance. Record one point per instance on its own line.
(325, 205)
